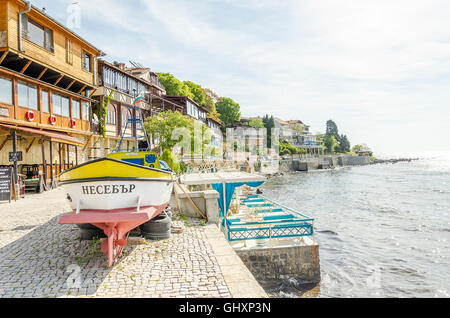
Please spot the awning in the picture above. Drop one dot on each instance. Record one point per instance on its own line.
(225, 183)
(52, 136)
(221, 177)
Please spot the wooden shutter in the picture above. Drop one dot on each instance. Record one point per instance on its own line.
(69, 52)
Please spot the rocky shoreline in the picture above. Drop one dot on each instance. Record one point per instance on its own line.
(379, 161)
(327, 163)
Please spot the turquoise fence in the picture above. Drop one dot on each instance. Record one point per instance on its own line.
(283, 223)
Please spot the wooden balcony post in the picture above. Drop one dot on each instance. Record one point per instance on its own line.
(51, 161)
(44, 165)
(67, 150)
(59, 155)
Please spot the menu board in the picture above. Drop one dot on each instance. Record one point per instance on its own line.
(5, 184)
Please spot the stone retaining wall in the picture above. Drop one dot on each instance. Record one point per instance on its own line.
(322, 162)
(299, 262)
(353, 160)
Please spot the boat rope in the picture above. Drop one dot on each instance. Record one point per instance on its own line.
(190, 200)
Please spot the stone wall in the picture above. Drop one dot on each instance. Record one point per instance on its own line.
(305, 164)
(299, 262)
(322, 162)
(285, 165)
(353, 160)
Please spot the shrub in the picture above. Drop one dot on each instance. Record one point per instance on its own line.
(171, 160)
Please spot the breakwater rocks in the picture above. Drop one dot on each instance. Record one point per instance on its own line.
(378, 161)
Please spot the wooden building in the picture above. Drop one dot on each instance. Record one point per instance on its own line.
(47, 77)
(127, 84)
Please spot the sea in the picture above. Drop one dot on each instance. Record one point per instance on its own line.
(383, 229)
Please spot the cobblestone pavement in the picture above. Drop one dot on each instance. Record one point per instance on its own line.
(40, 258)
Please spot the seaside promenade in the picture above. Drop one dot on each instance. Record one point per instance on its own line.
(41, 258)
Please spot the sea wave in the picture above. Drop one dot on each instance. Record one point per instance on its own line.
(391, 217)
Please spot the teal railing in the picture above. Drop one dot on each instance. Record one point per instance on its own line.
(284, 223)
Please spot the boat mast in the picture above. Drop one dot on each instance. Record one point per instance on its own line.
(134, 122)
(134, 119)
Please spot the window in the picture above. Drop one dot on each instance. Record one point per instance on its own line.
(124, 117)
(61, 105)
(44, 101)
(36, 33)
(86, 61)
(111, 116)
(69, 52)
(189, 109)
(132, 84)
(5, 90)
(27, 95)
(121, 82)
(195, 112)
(65, 106)
(85, 107)
(76, 109)
(108, 76)
(56, 99)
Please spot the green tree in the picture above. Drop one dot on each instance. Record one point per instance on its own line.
(200, 140)
(203, 97)
(269, 123)
(357, 148)
(198, 93)
(256, 123)
(332, 129)
(214, 97)
(229, 111)
(214, 114)
(163, 124)
(330, 143)
(172, 160)
(299, 128)
(209, 103)
(344, 143)
(174, 86)
(101, 110)
(286, 148)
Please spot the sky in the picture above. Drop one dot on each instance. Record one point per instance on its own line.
(380, 69)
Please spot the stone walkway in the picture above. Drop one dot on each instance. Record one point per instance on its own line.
(40, 258)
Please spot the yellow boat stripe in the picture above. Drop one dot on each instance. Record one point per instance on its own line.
(107, 167)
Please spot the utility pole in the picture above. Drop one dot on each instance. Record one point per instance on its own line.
(16, 175)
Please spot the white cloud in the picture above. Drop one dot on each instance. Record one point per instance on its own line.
(378, 68)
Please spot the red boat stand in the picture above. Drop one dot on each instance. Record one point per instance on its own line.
(116, 224)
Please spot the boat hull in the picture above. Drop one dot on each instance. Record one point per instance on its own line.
(117, 194)
(109, 184)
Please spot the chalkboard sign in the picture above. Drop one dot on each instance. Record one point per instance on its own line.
(5, 184)
(15, 156)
